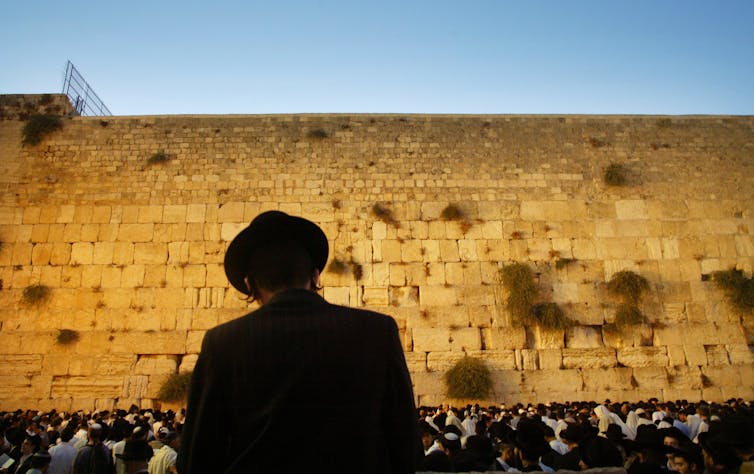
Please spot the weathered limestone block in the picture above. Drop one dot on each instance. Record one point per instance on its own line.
(87, 386)
(375, 296)
(497, 360)
(724, 376)
(730, 333)
(583, 337)
(684, 377)
(187, 363)
(20, 364)
(717, 355)
(568, 380)
(643, 356)
(589, 358)
(550, 359)
(651, 378)
(616, 378)
(437, 296)
(114, 364)
(145, 342)
(442, 361)
(416, 362)
(428, 383)
(529, 359)
(632, 337)
(431, 339)
(696, 355)
(506, 338)
(465, 339)
(631, 209)
(154, 365)
(740, 353)
(547, 338)
(676, 355)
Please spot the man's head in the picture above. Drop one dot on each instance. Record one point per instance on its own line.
(276, 251)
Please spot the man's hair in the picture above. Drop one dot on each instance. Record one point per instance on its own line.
(278, 266)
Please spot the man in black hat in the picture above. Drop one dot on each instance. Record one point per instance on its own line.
(297, 353)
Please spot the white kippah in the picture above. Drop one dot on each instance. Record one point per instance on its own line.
(451, 436)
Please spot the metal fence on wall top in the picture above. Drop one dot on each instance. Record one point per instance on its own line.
(82, 96)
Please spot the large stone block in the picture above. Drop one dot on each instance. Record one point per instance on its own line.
(146, 342)
(550, 359)
(589, 358)
(616, 378)
(643, 356)
(506, 338)
(465, 339)
(651, 378)
(567, 380)
(543, 338)
(717, 355)
(88, 386)
(431, 339)
(740, 354)
(156, 365)
(442, 361)
(28, 364)
(583, 337)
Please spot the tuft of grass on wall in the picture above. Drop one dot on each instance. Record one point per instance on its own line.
(522, 292)
(628, 285)
(469, 378)
(35, 295)
(551, 316)
(158, 157)
(38, 126)
(615, 175)
(338, 267)
(66, 337)
(738, 289)
(175, 388)
(561, 263)
(453, 212)
(317, 134)
(385, 214)
(628, 315)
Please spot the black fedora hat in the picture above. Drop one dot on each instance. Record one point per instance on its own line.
(271, 227)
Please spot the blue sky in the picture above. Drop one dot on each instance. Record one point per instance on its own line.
(477, 57)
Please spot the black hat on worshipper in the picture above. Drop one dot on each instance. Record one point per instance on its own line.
(272, 227)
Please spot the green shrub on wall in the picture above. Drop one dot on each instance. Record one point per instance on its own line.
(175, 388)
(35, 295)
(66, 336)
(629, 287)
(38, 127)
(469, 378)
(615, 175)
(738, 289)
(522, 295)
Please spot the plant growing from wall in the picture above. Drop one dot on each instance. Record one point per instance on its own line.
(385, 214)
(67, 336)
(317, 133)
(561, 263)
(629, 287)
(158, 157)
(35, 295)
(522, 295)
(615, 175)
(175, 387)
(38, 127)
(453, 212)
(550, 315)
(738, 289)
(469, 378)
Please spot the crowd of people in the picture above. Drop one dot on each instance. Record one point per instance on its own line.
(103, 442)
(644, 437)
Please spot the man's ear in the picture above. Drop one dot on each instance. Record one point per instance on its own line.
(315, 279)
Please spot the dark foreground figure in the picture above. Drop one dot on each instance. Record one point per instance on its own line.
(342, 369)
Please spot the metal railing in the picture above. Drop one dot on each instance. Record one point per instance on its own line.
(82, 96)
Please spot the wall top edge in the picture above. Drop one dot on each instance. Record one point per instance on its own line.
(419, 115)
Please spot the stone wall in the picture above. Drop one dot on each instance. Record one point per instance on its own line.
(131, 241)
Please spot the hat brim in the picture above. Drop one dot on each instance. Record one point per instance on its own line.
(267, 228)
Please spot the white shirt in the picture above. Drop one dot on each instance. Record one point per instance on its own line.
(163, 458)
(63, 455)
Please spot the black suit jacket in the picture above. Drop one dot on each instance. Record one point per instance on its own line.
(301, 385)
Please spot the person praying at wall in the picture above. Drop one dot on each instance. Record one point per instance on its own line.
(343, 366)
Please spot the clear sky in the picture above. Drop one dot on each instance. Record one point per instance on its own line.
(325, 56)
